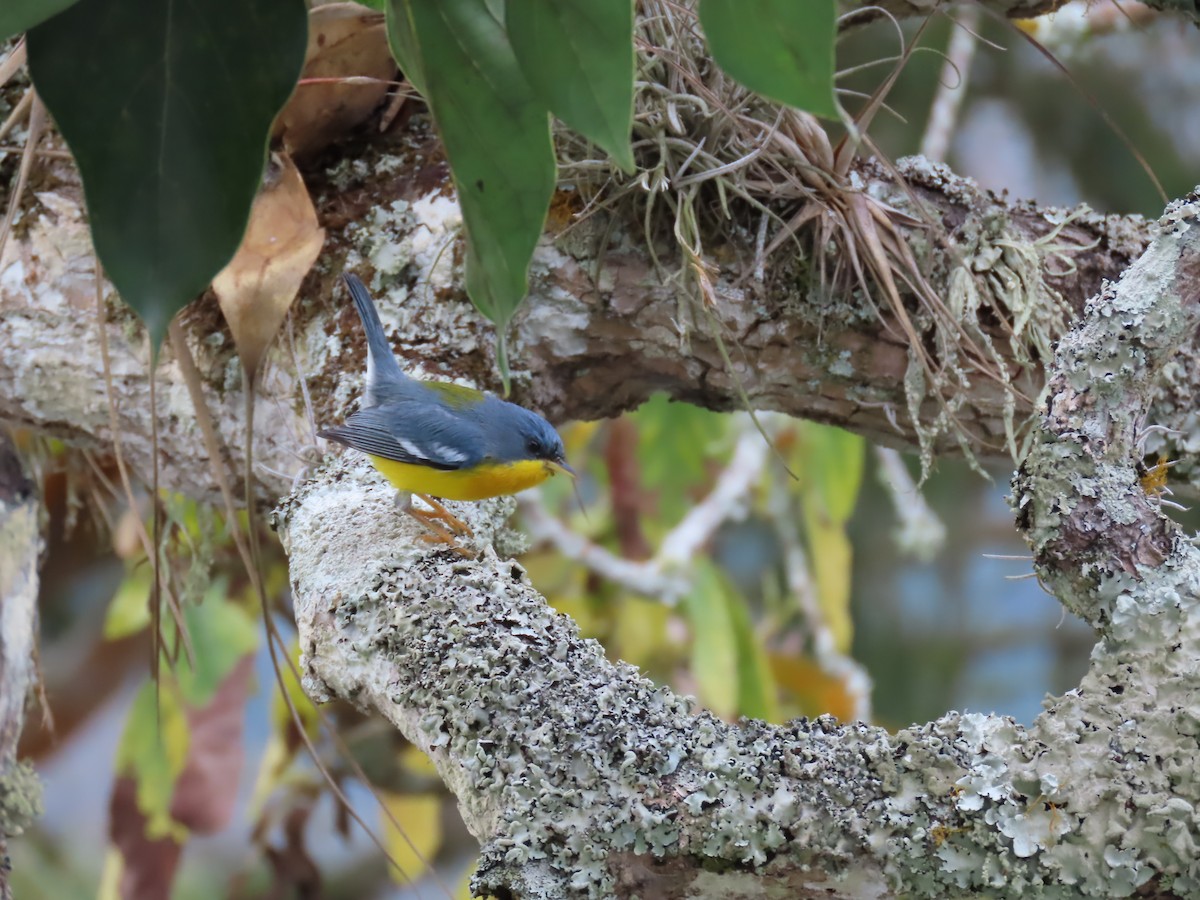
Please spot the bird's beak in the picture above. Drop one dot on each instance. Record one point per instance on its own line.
(561, 466)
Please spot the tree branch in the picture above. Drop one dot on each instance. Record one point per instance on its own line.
(581, 777)
(583, 347)
(1012, 9)
(20, 550)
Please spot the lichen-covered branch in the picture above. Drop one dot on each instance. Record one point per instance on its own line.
(583, 347)
(20, 551)
(580, 778)
(1097, 531)
(1012, 9)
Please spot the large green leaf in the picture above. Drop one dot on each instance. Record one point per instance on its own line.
(782, 49)
(578, 57)
(714, 640)
(833, 459)
(756, 685)
(153, 751)
(21, 15)
(497, 138)
(402, 39)
(677, 445)
(222, 632)
(166, 106)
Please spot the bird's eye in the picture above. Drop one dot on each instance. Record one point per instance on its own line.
(533, 445)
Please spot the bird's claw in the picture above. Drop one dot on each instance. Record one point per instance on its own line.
(447, 518)
(443, 527)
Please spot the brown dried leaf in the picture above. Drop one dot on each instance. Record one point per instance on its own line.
(281, 243)
(206, 791)
(295, 872)
(202, 799)
(148, 864)
(345, 41)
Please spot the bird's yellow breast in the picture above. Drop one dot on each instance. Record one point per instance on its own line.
(478, 483)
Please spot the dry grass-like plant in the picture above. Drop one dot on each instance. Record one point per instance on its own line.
(722, 168)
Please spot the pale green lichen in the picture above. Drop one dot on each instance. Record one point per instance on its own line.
(569, 768)
(20, 798)
(565, 764)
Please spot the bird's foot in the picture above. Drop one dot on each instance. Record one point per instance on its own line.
(445, 529)
(443, 515)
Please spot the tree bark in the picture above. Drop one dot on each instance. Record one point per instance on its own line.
(1012, 9)
(581, 778)
(583, 347)
(20, 549)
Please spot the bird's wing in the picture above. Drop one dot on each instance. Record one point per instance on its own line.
(454, 396)
(419, 433)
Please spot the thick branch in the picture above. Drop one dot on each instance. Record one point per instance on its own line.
(20, 550)
(1013, 9)
(580, 351)
(581, 778)
(1100, 536)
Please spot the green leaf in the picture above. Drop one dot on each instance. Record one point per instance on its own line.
(129, 609)
(222, 632)
(166, 107)
(578, 57)
(21, 15)
(497, 138)
(402, 39)
(834, 463)
(714, 644)
(153, 751)
(782, 49)
(677, 442)
(756, 685)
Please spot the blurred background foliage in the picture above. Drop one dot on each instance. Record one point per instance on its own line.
(824, 594)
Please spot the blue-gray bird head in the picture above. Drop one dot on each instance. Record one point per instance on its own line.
(522, 435)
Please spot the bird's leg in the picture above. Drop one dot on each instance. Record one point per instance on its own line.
(433, 522)
(451, 521)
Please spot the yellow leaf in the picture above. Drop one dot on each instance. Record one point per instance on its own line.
(153, 751)
(281, 243)
(714, 641)
(416, 761)
(1154, 481)
(463, 890)
(413, 849)
(640, 631)
(275, 761)
(832, 555)
(281, 716)
(110, 877)
(129, 609)
(832, 460)
(816, 691)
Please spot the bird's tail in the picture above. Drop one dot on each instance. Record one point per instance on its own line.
(382, 367)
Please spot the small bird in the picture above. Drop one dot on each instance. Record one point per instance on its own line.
(436, 439)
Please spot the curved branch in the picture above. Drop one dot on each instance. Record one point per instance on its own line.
(20, 550)
(1012, 9)
(584, 347)
(580, 777)
(1099, 535)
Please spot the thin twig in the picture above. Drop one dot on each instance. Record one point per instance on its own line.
(37, 119)
(921, 533)
(952, 86)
